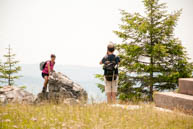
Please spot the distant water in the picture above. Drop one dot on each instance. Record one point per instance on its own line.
(80, 74)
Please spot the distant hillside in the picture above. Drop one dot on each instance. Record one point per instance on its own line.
(80, 74)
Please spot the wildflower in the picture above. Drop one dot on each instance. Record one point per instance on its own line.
(63, 125)
(15, 126)
(43, 118)
(7, 120)
(34, 119)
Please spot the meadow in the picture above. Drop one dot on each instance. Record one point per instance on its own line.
(90, 116)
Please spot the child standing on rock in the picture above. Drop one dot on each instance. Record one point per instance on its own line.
(47, 68)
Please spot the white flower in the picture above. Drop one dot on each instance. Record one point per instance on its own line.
(15, 126)
(63, 125)
(7, 120)
(34, 119)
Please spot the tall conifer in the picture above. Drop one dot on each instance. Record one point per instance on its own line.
(152, 58)
(9, 68)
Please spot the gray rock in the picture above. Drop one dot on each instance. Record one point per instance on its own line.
(62, 89)
(3, 99)
(12, 94)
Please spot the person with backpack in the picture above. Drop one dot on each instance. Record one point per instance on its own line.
(110, 65)
(47, 67)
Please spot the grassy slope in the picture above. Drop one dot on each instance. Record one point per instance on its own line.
(99, 116)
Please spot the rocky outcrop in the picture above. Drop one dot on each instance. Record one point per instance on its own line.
(12, 94)
(62, 89)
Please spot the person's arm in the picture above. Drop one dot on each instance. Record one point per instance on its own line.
(102, 61)
(53, 68)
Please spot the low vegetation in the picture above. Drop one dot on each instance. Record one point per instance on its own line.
(93, 116)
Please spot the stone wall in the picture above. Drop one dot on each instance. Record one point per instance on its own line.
(183, 100)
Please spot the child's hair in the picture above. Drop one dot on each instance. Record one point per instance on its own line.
(111, 47)
(53, 56)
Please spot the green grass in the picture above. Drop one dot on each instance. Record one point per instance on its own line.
(95, 116)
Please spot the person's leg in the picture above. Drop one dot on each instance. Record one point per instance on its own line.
(45, 83)
(109, 97)
(114, 90)
(113, 97)
(108, 91)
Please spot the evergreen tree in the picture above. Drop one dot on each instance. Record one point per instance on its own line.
(152, 58)
(1, 69)
(9, 69)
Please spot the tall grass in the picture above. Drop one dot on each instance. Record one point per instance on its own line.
(93, 116)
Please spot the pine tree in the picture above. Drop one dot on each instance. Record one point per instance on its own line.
(152, 58)
(9, 69)
(1, 70)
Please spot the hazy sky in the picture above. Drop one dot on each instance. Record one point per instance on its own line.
(77, 31)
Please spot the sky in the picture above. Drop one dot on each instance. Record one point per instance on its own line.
(77, 31)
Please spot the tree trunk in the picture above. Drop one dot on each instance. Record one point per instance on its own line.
(151, 59)
(9, 79)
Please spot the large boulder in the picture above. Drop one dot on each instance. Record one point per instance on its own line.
(13, 94)
(62, 89)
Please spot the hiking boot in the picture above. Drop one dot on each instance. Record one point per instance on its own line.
(44, 89)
